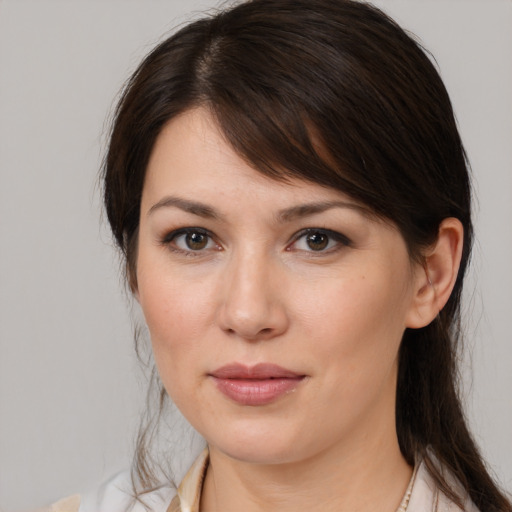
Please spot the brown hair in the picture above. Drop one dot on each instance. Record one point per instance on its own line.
(279, 76)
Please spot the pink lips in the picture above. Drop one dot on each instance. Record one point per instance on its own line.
(255, 385)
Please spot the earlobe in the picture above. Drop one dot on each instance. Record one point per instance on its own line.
(435, 281)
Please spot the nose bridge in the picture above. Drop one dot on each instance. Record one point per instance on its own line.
(252, 307)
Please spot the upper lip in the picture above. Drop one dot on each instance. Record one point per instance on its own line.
(259, 371)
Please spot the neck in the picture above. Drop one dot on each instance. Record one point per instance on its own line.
(371, 476)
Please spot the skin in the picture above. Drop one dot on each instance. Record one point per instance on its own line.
(255, 290)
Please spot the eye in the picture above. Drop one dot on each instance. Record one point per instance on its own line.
(190, 240)
(318, 240)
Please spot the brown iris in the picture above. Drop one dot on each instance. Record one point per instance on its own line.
(196, 241)
(317, 241)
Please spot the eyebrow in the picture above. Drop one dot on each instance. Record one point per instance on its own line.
(194, 207)
(285, 215)
(305, 210)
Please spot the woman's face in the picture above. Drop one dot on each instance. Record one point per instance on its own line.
(275, 309)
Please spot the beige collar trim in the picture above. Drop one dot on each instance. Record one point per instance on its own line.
(188, 497)
(189, 491)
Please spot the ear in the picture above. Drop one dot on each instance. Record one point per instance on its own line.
(434, 281)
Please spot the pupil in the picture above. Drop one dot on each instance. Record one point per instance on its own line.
(317, 241)
(196, 241)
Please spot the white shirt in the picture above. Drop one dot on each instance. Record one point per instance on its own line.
(116, 495)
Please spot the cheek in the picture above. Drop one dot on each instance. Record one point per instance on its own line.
(177, 314)
(356, 325)
(175, 326)
(353, 337)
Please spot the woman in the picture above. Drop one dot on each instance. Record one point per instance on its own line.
(290, 192)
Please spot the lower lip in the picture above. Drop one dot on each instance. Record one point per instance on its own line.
(255, 391)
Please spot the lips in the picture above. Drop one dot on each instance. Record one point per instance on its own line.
(255, 385)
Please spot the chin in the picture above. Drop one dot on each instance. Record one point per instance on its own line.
(261, 454)
(260, 445)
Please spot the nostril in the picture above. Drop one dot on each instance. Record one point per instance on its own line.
(251, 318)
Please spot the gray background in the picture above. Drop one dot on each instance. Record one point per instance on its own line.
(70, 390)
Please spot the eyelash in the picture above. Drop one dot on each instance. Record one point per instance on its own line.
(173, 235)
(332, 236)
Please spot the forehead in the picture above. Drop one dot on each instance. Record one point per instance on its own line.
(192, 157)
(192, 149)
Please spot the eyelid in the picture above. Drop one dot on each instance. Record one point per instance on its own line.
(171, 235)
(167, 240)
(338, 237)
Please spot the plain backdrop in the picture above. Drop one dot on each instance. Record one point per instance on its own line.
(70, 390)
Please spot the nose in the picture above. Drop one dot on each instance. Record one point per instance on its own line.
(253, 299)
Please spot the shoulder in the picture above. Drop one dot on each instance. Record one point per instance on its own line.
(69, 504)
(116, 495)
(427, 497)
